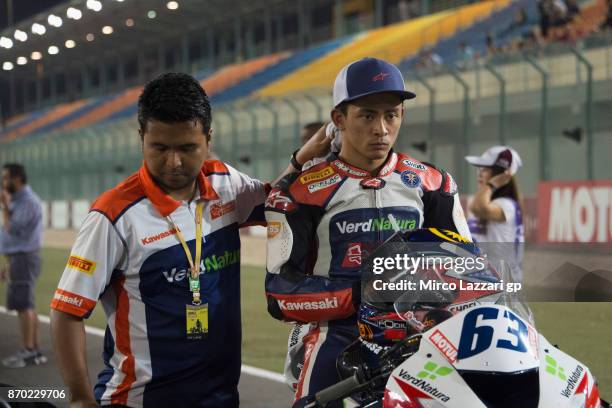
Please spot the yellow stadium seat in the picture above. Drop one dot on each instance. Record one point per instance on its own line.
(392, 43)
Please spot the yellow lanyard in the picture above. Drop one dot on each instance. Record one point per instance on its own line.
(194, 276)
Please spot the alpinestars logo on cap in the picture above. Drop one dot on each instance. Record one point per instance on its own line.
(380, 77)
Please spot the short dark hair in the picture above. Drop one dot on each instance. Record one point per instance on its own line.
(16, 170)
(174, 98)
(343, 107)
(313, 126)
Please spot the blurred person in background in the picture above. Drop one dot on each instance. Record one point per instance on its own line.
(573, 9)
(491, 47)
(309, 131)
(545, 10)
(465, 59)
(20, 242)
(607, 23)
(496, 210)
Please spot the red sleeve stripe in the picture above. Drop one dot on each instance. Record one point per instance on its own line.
(310, 342)
(72, 303)
(123, 344)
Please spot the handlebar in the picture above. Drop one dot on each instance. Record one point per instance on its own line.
(338, 390)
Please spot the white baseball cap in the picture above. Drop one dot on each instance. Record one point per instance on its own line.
(501, 156)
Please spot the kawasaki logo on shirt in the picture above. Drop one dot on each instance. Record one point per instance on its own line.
(376, 224)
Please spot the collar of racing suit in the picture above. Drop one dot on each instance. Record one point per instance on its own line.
(162, 201)
(355, 172)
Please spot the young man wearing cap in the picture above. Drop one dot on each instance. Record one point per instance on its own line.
(322, 220)
(496, 214)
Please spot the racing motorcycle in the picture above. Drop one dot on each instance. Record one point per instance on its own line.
(478, 349)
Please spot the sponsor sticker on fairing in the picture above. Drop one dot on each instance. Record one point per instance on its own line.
(442, 343)
(572, 381)
(423, 385)
(459, 307)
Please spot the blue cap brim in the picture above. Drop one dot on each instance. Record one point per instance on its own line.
(405, 95)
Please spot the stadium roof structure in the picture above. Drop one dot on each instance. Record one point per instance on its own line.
(107, 28)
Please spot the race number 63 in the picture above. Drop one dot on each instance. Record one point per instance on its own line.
(477, 335)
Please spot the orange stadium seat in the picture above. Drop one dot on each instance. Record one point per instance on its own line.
(213, 84)
(53, 114)
(234, 73)
(123, 100)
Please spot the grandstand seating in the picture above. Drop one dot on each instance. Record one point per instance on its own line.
(497, 24)
(36, 121)
(591, 17)
(316, 67)
(20, 120)
(218, 81)
(393, 43)
(86, 112)
(91, 105)
(278, 70)
(103, 111)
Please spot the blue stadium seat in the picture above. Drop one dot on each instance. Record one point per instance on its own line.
(24, 121)
(276, 71)
(497, 24)
(94, 103)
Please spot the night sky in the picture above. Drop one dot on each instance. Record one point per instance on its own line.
(22, 9)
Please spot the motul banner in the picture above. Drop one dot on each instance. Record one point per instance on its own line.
(578, 211)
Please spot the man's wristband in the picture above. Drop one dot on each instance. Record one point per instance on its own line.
(493, 188)
(294, 161)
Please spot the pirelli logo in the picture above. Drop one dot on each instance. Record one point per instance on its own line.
(81, 264)
(318, 175)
